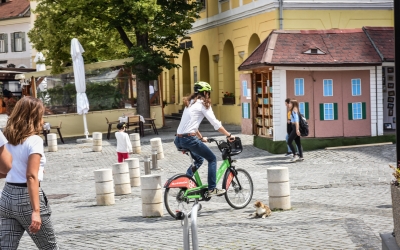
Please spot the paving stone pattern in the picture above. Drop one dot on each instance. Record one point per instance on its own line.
(340, 198)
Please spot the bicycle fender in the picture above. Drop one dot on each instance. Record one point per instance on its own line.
(229, 175)
(180, 181)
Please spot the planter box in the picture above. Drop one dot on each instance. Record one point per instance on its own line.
(395, 190)
(228, 100)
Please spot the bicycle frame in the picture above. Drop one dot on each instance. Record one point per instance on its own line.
(220, 172)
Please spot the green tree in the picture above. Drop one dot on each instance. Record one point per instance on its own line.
(147, 30)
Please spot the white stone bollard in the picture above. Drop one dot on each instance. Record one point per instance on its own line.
(135, 140)
(104, 187)
(134, 171)
(52, 142)
(156, 144)
(122, 181)
(152, 203)
(97, 142)
(278, 188)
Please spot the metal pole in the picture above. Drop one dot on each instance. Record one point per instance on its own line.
(397, 72)
(154, 164)
(147, 165)
(186, 244)
(195, 241)
(85, 126)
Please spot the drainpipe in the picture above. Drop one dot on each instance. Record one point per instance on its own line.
(280, 14)
(397, 72)
(376, 99)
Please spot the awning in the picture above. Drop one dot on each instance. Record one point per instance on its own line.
(90, 66)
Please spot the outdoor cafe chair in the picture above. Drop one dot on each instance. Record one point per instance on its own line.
(110, 126)
(58, 131)
(149, 122)
(135, 123)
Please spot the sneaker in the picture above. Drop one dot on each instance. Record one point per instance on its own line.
(288, 154)
(294, 158)
(300, 159)
(216, 191)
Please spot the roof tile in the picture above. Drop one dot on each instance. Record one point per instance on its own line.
(13, 8)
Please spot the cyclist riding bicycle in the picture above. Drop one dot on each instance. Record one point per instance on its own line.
(188, 136)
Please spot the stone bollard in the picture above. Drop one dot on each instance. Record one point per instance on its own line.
(104, 187)
(97, 142)
(134, 171)
(156, 144)
(135, 140)
(152, 204)
(146, 164)
(278, 188)
(121, 178)
(52, 142)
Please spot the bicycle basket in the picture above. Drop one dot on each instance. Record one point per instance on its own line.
(235, 146)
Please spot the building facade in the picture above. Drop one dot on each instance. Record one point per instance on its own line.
(229, 31)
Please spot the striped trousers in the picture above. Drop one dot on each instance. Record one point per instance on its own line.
(16, 212)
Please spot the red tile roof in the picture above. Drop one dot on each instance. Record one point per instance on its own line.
(14, 8)
(337, 47)
(383, 40)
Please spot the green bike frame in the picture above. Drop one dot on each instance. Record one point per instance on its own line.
(220, 172)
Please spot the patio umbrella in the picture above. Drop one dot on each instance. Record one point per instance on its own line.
(82, 102)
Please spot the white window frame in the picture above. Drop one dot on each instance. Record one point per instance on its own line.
(360, 111)
(326, 107)
(331, 86)
(302, 108)
(356, 84)
(301, 87)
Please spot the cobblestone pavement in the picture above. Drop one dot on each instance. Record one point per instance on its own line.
(340, 199)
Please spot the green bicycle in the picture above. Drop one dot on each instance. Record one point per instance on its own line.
(181, 190)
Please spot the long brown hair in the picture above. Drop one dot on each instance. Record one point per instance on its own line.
(25, 120)
(205, 96)
(295, 104)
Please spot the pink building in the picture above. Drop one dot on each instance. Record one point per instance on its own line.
(336, 75)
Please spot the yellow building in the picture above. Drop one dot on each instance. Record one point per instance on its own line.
(228, 31)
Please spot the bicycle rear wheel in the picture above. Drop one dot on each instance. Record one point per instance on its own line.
(174, 200)
(240, 189)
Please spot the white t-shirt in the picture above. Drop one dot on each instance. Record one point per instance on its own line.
(193, 115)
(124, 144)
(20, 153)
(3, 139)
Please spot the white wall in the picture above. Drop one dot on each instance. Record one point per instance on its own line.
(18, 58)
(278, 103)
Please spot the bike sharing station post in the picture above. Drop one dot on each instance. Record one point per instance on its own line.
(182, 190)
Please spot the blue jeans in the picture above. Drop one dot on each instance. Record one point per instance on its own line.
(199, 152)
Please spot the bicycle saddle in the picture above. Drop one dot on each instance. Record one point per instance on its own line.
(184, 150)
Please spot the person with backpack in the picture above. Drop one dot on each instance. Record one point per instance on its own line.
(288, 127)
(295, 132)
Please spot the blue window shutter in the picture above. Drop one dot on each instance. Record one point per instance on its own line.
(307, 112)
(321, 111)
(350, 109)
(364, 110)
(335, 111)
(23, 41)
(248, 111)
(12, 43)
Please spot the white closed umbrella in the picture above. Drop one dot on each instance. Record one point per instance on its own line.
(82, 102)
(39, 60)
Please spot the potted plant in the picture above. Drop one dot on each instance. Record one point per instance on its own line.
(229, 98)
(395, 190)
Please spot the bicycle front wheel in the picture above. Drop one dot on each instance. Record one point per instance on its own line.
(239, 189)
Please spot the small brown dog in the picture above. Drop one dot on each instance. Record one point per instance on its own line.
(262, 210)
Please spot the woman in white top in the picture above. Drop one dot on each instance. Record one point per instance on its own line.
(23, 204)
(188, 136)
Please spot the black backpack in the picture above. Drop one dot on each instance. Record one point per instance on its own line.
(303, 125)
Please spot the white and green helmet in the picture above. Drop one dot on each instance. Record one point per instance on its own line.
(202, 86)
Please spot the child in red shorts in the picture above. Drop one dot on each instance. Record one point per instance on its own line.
(124, 145)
